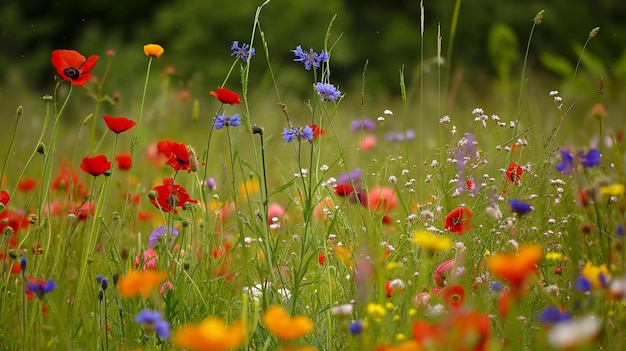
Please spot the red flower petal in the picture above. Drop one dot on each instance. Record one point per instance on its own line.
(119, 124)
(70, 60)
(4, 198)
(459, 220)
(124, 162)
(344, 189)
(226, 96)
(95, 165)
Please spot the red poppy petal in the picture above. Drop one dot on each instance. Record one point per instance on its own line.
(90, 63)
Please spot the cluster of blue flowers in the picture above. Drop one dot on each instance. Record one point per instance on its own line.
(290, 134)
(222, 121)
(310, 58)
(588, 160)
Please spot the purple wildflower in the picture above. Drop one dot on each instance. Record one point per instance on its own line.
(300, 133)
(327, 91)
(566, 166)
(591, 159)
(153, 238)
(40, 289)
(311, 58)
(154, 320)
(244, 52)
(520, 207)
(365, 124)
(552, 315)
(222, 121)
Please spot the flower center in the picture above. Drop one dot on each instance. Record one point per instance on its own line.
(172, 200)
(72, 73)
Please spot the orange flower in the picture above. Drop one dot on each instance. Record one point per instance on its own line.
(154, 50)
(137, 282)
(279, 323)
(515, 268)
(211, 334)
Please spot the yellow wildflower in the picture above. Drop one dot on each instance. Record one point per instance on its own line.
(554, 256)
(375, 310)
(431, 242)
(596, 275)
(613, 190)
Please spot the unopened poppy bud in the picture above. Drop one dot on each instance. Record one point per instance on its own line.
(8, 231)
(257, 130)
(41, 149)
(19, 111)
(32, 218)
(106, 173)
(13, 254)
(111, 52)
(71, 217)
(47, 97)
(153, 195)
(185, 223)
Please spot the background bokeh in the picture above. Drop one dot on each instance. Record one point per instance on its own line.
(485, 69)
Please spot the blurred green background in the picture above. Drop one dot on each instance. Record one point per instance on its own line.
(487, 54)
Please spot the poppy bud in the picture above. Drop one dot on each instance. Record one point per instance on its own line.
(41, 149)
(19, 111)
(558, 270)
(153, 195)
(257, 130)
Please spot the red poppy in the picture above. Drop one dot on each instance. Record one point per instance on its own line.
(321, 259)
(84, 210)
(119, 124)
(95, 165)
(124, 162)
(226, 96)
(317, 131)
(382, 199)
(170, 195)
(459, 220)
(177, 155)
(26, 184)
(453, 295)
(72, 66)
(513, 173)
(67, 179)
(344, 189)
(4, 198)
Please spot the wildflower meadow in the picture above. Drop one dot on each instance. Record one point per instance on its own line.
(323, 223)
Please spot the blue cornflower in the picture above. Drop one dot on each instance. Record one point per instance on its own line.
(409, 134)
(356, 328)
(311, 58)
(244, 52)
(349, 177)
(23, 264)
(41, 288)
(154, 320)
(153, 238)
(591, 159)
(496, 286)
(619, 230)
(327, 91)
(222, 121)
(291, 134)
(552, 315)
(582, 284)
(566, 166)
(520, 207)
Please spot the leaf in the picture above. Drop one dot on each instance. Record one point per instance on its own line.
(557, 64)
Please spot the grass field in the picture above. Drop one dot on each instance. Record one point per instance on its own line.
(140, 215)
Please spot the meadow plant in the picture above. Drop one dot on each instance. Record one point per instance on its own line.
(334, 234)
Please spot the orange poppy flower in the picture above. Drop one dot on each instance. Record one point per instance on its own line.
(279, 323)
(515, 268)
(140, 282)
(211, 334)
(153, 50)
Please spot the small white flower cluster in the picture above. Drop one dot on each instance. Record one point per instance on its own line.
(557, 99)
(480, 116)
